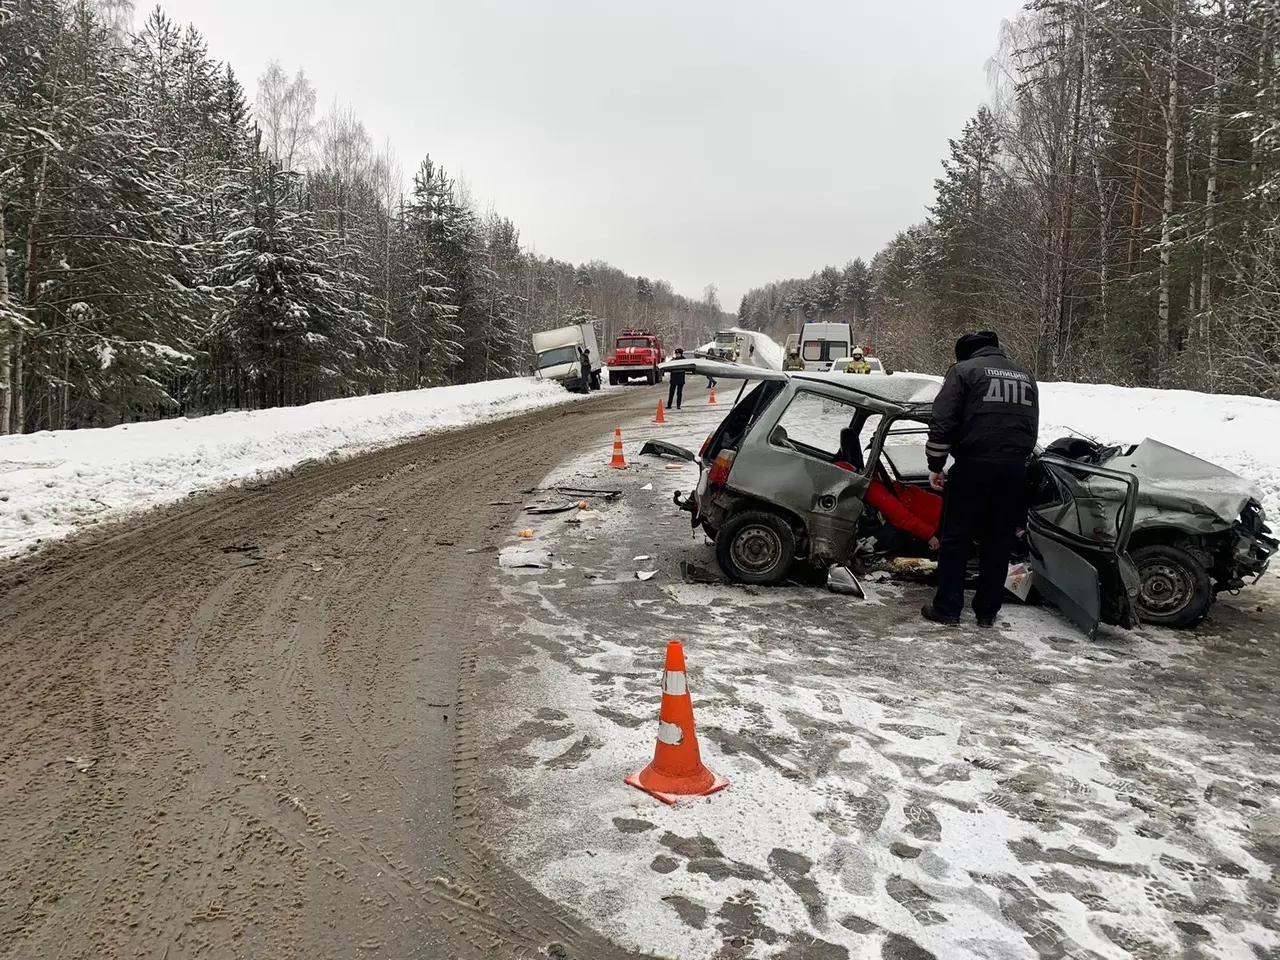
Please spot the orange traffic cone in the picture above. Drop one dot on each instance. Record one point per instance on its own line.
(677, 769)
(619, 462)
(662, 416)
(711, 395)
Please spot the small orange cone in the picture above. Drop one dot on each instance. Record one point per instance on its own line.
(676, 770)
(662, 416)
(619, 462)
(711, 395)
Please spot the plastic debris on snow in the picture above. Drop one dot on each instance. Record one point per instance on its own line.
(647, 486)
(521, 557)
(646, 574)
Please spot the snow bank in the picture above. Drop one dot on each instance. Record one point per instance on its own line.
(1237, 433)
(767, 354)
(53, 482)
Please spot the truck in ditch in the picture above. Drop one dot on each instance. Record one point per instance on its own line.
(570, 356)
(637, 354)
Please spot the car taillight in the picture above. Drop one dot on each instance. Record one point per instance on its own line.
(719, 474)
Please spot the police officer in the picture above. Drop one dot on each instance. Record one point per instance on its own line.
(675, 393)
(986, 418)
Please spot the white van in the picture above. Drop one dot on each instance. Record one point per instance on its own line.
(820, 343)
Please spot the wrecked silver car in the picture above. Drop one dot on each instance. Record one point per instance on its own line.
(1198, 530)
(1113, 535)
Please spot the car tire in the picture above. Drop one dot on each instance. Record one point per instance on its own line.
(756, 547)
(650, 378)
(1173, 587)
(613, 380)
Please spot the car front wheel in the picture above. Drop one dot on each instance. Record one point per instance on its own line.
(1173, 587)
(756, 547)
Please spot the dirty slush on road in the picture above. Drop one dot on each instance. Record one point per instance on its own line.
(230, 727)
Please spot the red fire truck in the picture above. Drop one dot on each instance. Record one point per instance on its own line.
(637, 353)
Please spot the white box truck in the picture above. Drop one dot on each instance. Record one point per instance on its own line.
(561, 352)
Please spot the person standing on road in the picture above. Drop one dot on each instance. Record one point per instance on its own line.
(675, 393)
(986, 418)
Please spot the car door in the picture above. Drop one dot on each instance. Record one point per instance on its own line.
(1078, 528)
(791, 458)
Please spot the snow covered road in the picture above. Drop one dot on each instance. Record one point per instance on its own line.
(898, 790)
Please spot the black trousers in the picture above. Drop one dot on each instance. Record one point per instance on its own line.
(675, 394)
(984, 502)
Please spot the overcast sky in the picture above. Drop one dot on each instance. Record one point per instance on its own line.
(701, 141)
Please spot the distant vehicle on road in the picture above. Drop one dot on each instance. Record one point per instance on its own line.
(728, 346)
(637, 353)
(570, 356)
(820, 343)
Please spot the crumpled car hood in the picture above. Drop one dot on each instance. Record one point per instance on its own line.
(1175, 487)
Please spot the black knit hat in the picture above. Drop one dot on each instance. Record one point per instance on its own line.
(971, 343)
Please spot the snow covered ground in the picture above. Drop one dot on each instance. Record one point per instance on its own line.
(898, 790)
(53, 482)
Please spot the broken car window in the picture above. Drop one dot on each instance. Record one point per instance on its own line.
(816, 422)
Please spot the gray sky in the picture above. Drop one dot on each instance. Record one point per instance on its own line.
(701, 141)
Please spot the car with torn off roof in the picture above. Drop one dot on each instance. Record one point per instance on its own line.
(775, 489)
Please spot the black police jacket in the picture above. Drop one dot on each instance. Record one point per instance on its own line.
(988, 410)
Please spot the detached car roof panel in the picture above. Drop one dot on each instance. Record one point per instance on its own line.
(898, 389)
(905, 389)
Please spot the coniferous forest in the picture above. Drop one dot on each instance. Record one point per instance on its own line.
(1114, 212)
(170, 248)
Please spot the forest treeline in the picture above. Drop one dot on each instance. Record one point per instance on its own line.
(168, 248)
(1114, 212)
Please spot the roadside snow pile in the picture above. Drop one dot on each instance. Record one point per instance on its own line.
(767, 354)
(1230, 431)
(53, 482)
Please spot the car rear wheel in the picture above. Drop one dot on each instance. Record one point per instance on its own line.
(1173, 587)
(756, 547)
(613, 380)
